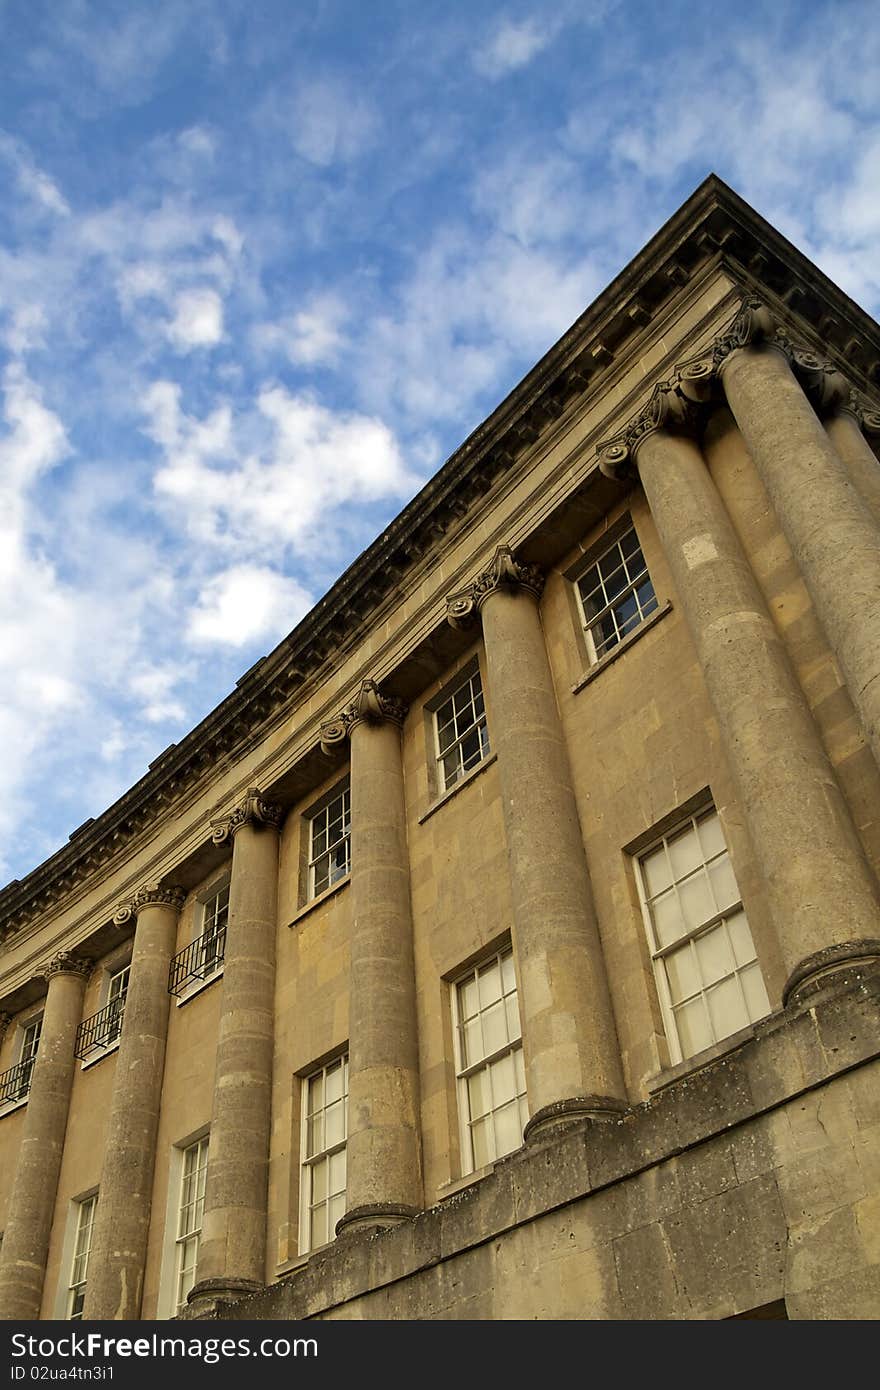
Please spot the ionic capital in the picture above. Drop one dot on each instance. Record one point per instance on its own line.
(674, 406)
(148, 896)
(253, 810)
(679, 405)
(505, 572)
(369, 706)
(66, 963)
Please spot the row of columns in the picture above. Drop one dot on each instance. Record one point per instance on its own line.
(822, 894)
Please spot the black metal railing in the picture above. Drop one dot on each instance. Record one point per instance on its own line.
(100, 1030)
(197, 961)
(16, 1082)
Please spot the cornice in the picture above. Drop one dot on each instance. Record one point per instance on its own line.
(714, 227)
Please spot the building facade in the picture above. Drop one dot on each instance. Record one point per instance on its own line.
(507, 944)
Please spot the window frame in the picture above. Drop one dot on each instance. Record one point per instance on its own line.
(34, 1021)
(309, 1161)
(340, 791)
(611, 539)
(202, 976)
(670, 829)
(469, 672)
(463, 1072)
(78, 1286)
(193, 1233)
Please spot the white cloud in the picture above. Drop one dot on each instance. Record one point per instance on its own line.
(198, 320)
(306, 463)
(312, 337)
(329, 122)
(513, 46)
(245, 603)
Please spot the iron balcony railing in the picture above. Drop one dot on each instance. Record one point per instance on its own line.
(197, 961)
(16, 1082)
(101, 1029)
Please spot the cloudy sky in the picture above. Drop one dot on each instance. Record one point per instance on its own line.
(263, 267)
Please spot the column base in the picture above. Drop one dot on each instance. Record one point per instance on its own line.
(210, 1294)
(376, 1216)
(562, 1114)
(831, 966)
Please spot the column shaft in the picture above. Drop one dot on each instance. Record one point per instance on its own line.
(384, 1167)
(859, 459)
(821, 891)
(122, 1217)
(570, 1042)
(25, 1248)
(832, 536)
(232, 1252)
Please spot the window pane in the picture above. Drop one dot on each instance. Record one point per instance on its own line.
(319, 1181)
(472, 1042)
(715, 955)
(336, 1173)
(711, 836)
(479, 1094)
(752, 982)
(319, 1227)
(490, 984)
(508, 1135)
(481, 1138)
(494, 1028)
(656, 870)
(512, 1012)
(726, 1008)
(684, 854)
(741, 938)
(682, 973)
(503, 1080)
(693, 1027)
(334, 1129)
(667, 918)
(696, 900)
(723, 882)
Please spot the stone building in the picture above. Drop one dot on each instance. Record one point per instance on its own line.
(515, 919)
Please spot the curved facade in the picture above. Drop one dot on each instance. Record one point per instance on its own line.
(507, 943)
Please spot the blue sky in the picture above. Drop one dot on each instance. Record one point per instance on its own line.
(263, 267)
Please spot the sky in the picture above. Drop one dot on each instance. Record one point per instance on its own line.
(263, 267)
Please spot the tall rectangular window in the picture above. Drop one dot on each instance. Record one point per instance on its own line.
(708, 977)
(76, 1295)
(616, 595)
(493, 1105)
(191, 1210)
(462, 736)
(330, 843)
(116, 1003)
(324, 1136)
(215, 917)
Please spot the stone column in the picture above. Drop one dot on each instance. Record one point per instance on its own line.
(572, 1056)
(25, 1248)
(821, 891)
(384, 1185)
(232, 1251)
(122, 1217)
(831, 533)
(845, 425)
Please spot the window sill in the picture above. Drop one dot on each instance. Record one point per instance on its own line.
(99, 1055)
(454, 790)
(198, 987)
(677, 1070)
(15, 1105)
(319, 900)
(610, 657)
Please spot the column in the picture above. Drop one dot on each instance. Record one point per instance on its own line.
(821, 891)
(122, 1217)
(570, 1046)
(232, 1252)
(384, 1184)
(844, 426)
(831, 533)
(25, 1248)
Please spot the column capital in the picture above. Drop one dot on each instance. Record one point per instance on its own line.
(148, 896)
(369, 706)
(252, 810)
(679, 405)
(505, 572)
(67, 963)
